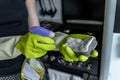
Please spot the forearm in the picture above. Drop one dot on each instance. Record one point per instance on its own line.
(33, 19)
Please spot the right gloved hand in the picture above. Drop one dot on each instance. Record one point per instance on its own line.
(35, 46)
(70, 55)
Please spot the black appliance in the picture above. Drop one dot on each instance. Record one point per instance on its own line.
(83, 17)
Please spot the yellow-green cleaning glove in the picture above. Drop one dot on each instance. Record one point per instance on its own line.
(35, 46)
(69, 54)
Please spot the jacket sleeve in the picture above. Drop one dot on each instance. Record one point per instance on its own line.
(7, 47)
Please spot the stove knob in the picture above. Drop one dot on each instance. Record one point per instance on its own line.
(67, 31)
(46, 57)
(89, 66)
(61, 60)
(52, 58)
(69, 63)
(79, 64)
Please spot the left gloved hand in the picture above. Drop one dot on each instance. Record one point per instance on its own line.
(70, 55)
(34, 46)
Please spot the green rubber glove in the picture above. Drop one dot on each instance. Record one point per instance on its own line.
(69, 54)
(35, 46)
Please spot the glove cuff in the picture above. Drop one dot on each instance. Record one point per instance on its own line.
(41, 31)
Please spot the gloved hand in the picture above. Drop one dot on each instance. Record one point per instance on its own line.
(34, 46)
(70, 55)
